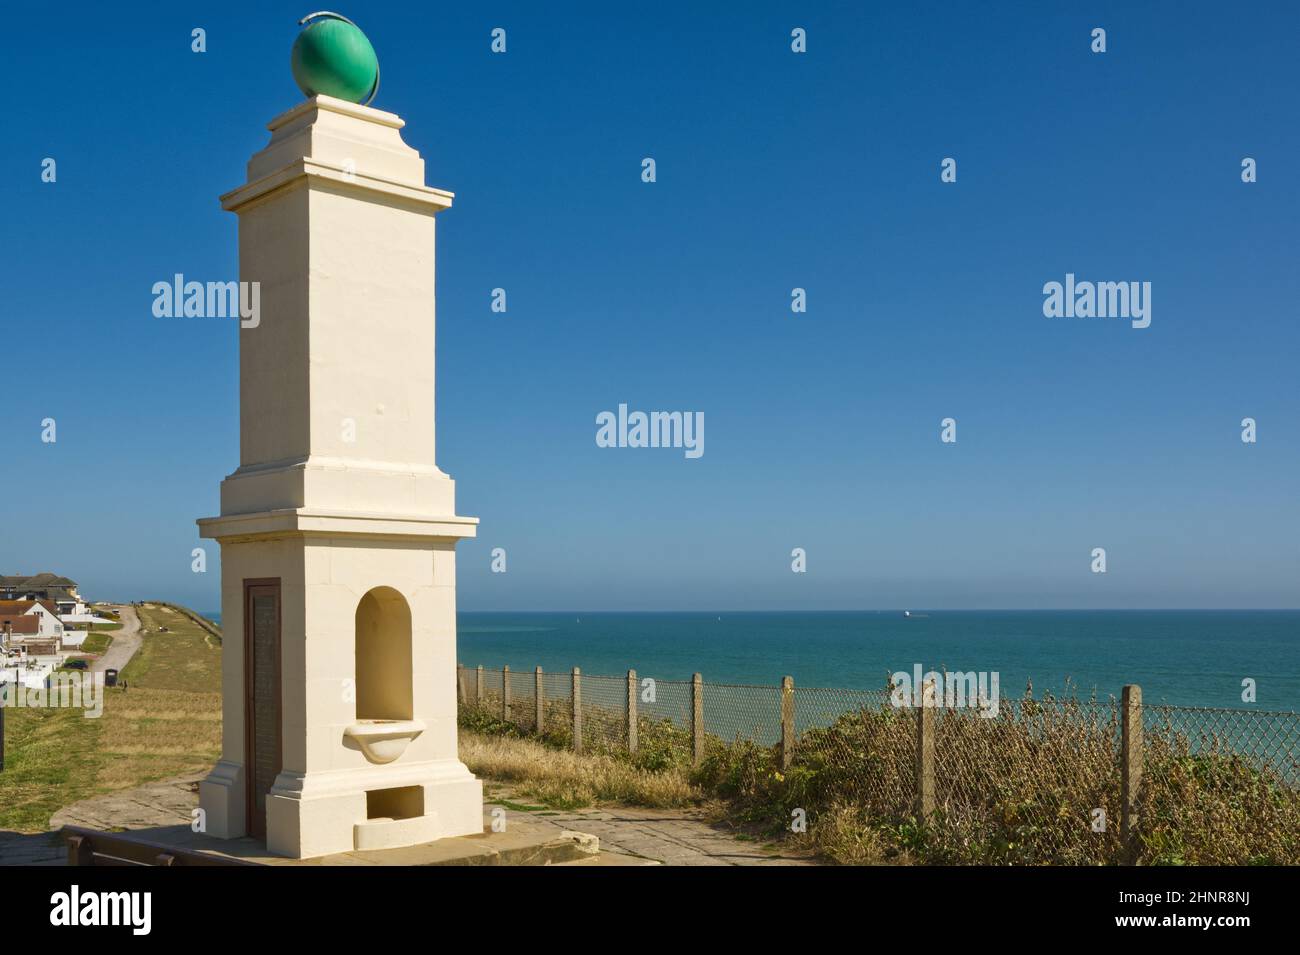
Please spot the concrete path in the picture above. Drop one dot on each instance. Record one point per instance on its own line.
(668, 836)
(126, 642)
(164, 811)
(153, 805)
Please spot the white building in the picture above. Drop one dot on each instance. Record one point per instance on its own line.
(51, 625)
(33, 625)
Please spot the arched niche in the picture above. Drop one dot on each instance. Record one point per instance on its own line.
(383, 629)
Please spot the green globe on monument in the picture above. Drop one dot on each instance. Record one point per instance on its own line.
(333, 57)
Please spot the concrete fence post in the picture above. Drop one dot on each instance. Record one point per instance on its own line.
(460, 685)
(925, 730)
(631, 711)
(577, 710)
(478, 686)
(787, 722)
(539, 699)
(505, 693)
(1130, 767)
(697, 719)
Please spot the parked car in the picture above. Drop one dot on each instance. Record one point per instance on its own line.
(76, 665)
(110, 678)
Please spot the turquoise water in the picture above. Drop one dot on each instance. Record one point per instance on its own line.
(1187, 658)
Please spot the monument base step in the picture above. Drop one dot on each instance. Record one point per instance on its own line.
(523, 843)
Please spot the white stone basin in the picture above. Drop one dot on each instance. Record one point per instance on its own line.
(384, 740)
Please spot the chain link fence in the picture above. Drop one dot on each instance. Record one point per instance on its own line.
(1046, 781)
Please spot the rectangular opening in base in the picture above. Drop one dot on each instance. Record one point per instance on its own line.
(402, 802)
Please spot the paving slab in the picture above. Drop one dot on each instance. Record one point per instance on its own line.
(161, 814)
(628, 835)
(671, 836)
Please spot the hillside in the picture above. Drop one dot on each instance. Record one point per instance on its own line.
(166, 722)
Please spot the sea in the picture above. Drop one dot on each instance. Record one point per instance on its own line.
(1183, 658)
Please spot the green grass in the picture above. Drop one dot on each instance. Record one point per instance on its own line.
(518, 806)
(167, 724)
(48, 753)
(180, 659)
(96, 643)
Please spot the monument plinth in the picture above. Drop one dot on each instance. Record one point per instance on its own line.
(338, 530)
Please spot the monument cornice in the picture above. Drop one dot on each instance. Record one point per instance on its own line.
(306, 522)
(327, 462)
(303, 171)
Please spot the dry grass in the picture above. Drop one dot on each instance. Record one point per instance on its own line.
(567, 780)
(154, 734)
(846, 835)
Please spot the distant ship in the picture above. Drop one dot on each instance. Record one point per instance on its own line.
(915, 616)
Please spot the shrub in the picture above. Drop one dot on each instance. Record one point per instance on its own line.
(1030, 786)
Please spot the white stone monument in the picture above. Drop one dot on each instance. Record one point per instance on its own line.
(338, 530)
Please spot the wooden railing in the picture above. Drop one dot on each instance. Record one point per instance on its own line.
(91, 847)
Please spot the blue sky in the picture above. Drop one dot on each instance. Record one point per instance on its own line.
(774, 170)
